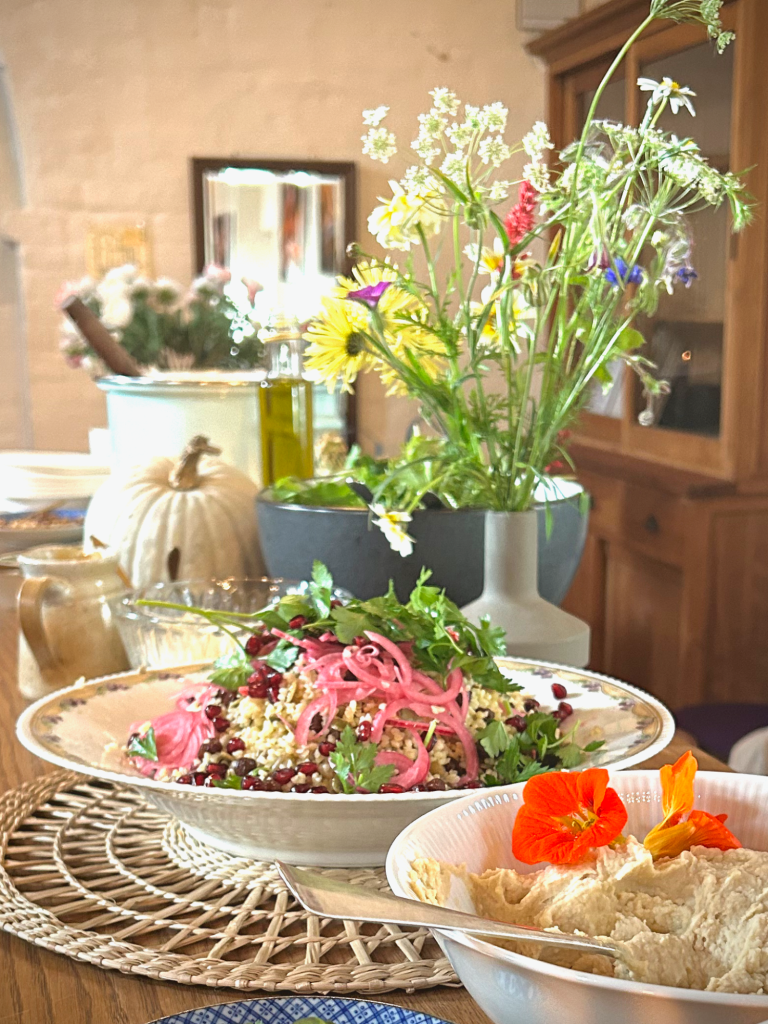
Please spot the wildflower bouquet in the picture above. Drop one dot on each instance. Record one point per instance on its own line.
(502, 371)
(163, 326)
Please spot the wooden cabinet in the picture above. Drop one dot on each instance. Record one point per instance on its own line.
(674, 579)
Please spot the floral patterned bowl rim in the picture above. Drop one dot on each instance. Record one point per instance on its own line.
(634, 724)
(287, 1009)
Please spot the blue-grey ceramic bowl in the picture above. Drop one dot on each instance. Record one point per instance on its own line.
(450, 544)
(287, 1009)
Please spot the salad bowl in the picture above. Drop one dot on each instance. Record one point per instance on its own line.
(476, 831)
(84, 728)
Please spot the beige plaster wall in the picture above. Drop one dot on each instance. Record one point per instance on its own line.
(112, 98)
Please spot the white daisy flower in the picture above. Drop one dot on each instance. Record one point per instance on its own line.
(678, 95)
(394, 527)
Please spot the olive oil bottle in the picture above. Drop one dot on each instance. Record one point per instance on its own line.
(285, 399)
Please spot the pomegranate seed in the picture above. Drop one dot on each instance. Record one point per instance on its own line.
(252, 782)
(243, 766)
(259, 674)
(307, 767)
(221, 724)
(273, 676)
(235, 745)
(559, 691)
(302, 787)
(335, 603)
(297, 622)
(273, 692)
(432, 741)
(283, 775)
(360, 641)
(318, 789)
(435, 785)
(316, 724)
(270, 786)
(253, 645)
(531, 704)
(565, 709)
(211, 780)
(364, 731)
(391, 787)
(225, 697)
(326, 749)
(209, 747)
(517, 722)
(258, 691)
(421, 788)
(199, 778)
(184, 780)
(212, 711)
(471, 784)
(216, 768)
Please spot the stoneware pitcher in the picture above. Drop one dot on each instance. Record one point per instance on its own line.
(68, 627)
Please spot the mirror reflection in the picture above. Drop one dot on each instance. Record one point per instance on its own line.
(280, 230)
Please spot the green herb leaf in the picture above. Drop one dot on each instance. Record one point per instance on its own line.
(593, 746)
(232, 670)
(348, 623)
(321, 589)
(231, 782)
(570, 755)
(355, 767)
(144, 745)
(494, 738)
(283, 656)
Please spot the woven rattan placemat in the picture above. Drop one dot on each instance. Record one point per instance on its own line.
(92, 871)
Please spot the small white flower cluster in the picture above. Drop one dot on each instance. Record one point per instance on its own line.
(379, 144)
(536, 143)
(480, 133)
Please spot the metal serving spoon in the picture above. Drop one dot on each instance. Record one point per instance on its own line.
(328, 897)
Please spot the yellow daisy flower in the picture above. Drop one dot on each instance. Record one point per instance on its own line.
(337, 346)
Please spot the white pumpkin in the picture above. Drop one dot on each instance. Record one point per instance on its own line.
(192, 518)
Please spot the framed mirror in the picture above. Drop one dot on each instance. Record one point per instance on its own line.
(286, 225)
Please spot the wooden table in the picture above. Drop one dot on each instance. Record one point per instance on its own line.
(39, 987)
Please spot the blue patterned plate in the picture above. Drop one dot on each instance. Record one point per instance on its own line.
(287, 1009)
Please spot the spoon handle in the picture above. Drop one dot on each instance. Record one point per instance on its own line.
(329, 897)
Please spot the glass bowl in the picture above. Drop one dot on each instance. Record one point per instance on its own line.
(161, 637)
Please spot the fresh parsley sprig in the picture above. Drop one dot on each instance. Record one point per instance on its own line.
(355, 767)
(516, 757)
(143, 744)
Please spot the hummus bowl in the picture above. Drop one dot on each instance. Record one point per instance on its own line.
(84, 728)
(476, 831)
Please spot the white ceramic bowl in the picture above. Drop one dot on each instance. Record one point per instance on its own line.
(476, 831)
(72, 728)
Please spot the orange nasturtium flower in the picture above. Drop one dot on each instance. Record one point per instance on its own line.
(673, 835)
(565, 815)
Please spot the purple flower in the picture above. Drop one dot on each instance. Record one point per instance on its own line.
(687, 275)
(627, 276)
(371, 294)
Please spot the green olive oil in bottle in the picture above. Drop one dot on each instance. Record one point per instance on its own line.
(285, 399)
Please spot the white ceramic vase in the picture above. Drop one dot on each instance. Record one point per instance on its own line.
(159, 414)
(534, 627)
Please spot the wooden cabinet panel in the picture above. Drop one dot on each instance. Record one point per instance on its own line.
(643, 609)
(607, 497)
(737, 669)
(586, 598)
(653, 522)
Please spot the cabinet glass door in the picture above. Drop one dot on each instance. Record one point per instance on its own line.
(686, 336)
(605, 402)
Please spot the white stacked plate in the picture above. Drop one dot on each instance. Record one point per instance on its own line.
(30, 480)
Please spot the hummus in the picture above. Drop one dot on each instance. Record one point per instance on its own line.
(699, 920)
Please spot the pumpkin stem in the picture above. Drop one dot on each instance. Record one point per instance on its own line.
(184, 475)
